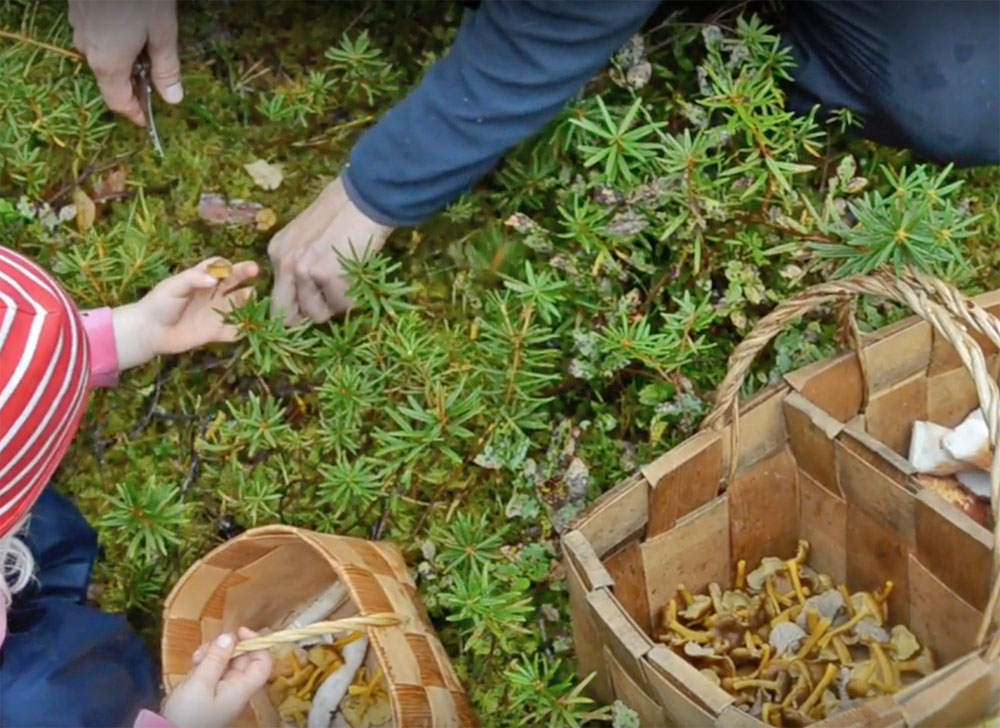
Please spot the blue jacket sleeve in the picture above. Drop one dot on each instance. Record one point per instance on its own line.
(512, 67)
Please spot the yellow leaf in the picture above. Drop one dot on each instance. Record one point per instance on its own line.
(85, 210)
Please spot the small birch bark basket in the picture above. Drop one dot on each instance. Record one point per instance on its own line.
(797, 461)
(259, 578)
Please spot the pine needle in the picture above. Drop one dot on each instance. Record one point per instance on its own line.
(64, 52)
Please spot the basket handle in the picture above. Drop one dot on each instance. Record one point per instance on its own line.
(938, 303)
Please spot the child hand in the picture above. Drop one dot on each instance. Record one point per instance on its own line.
(217, 690)
(180, 314)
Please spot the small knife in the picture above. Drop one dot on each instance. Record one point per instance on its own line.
(144, 90)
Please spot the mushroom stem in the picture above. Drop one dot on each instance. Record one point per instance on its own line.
(765, 659)
(793, 572)
(845, 627)
(817, 693)
(847, 600)
(881, 598)
(771, 596)
(738, 685)
(715, 592)
(671, 612)
(786, 615)
(741, 573)
(888, 677)
(686, 595)
(923, 663)
(802, 552)
(843, 654)
(690, 634)
(821, 627)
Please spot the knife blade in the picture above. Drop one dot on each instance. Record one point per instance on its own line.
(144, 91)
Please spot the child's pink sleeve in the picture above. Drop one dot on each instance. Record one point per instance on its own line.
(103, 352)
(149, 719)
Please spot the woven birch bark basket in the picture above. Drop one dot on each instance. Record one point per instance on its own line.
(818, 457)
(259, 578)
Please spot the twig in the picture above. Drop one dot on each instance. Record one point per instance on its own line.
(88, 172)
(330, 134)
(359, 16)
(154, 400)
(64, 52)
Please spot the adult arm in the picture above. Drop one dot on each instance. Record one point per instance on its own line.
(512, 67)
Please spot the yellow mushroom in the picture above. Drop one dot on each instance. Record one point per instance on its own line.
(843, 654)
(741, 573)
(690, 634)
(823, 684)
(793, 572)
(815, 634)
(922, 663)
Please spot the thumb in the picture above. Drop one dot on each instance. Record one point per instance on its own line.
(216, 660)
(165, 66)
(187, 282)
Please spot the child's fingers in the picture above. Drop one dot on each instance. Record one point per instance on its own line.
(243, 271)
(198, 655)
(187, 282)
(213, 665)
(258, 670)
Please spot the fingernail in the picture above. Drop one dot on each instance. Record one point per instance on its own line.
(224, 640)
(173, 93)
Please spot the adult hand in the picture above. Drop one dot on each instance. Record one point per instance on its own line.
(217, 690)
(181, 313)
(112, 33)
(308, 276)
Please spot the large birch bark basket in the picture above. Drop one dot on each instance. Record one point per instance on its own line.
(260, 577)
(816, 457)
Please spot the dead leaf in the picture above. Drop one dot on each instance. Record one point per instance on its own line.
(86, 211)
(214, 209)
(265, 175)
(627, 223)
(111, 184)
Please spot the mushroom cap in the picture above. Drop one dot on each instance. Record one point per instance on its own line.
(928, 452)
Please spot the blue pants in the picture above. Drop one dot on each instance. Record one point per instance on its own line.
(65, 664)
(923, 75)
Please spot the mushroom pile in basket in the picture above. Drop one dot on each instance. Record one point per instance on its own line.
(790, 645)
(955, 463)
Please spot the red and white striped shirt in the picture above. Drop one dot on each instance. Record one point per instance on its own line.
(50, 356)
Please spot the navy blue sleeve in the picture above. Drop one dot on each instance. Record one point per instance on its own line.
(512, 67)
